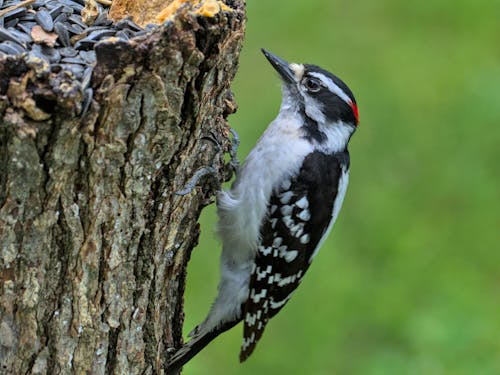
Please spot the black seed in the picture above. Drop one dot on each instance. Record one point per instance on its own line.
(85, 44)
(122, 35)
(68, 52)
(102, 18)
(87, 76)
(73, 60)
(63, 17)
(99, 34)
(36, 50)
(11, 48)
(6, 35)
(23, 38)
(45, 20)
(26, 26)
(87, 100)
(74, 28)
(77, 20)
(68, 10)
(127, 23)
(13, 22)
(56, 11)
(88, 56)
(63, 34)
(89, 29)
(16, 13)
(75, 69)
(72, 4)
(52, 54)
(27, 17)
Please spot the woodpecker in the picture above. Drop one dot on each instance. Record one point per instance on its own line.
(281, 206)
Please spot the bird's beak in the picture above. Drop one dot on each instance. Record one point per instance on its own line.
(281, 66)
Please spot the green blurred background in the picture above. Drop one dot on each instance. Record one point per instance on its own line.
(409, 280)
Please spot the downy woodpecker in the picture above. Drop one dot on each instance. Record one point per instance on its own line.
(281, 206)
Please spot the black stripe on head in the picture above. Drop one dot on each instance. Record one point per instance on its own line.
(335, 107)
(309, 68)
(311, 127)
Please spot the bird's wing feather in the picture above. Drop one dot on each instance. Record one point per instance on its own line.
(298, 218)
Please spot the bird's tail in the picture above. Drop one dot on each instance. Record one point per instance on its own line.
(193, 347)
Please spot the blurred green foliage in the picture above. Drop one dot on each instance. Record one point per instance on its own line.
(409, 280)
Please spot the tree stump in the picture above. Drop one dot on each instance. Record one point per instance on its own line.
(94, 240)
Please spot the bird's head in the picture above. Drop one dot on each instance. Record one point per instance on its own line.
(323, 98)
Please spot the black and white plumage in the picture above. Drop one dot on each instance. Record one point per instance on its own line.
(281, 207)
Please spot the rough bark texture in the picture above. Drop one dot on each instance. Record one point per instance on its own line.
(93, 240)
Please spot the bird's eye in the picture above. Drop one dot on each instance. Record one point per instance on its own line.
(312, 85)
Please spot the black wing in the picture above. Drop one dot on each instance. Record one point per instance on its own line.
(299, 214)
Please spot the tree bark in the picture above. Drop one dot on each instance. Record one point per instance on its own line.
(94, 242)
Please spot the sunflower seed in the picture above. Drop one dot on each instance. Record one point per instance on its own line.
(99, 34)
(87, 100)
(72, 4)
(63, 34)
(76, 69)
(44, 19)
(56, 11)
(73, 60)
(68, 52)
(52, 54)
(127, 23)
(11, 48)
(16, 13)
(63, 17)
(74, 28)
(88, 56)
(6, 35)
(21, 35)
(26, 26)
(77, 20)
(87, 76)
(122, 34)
(11, 23)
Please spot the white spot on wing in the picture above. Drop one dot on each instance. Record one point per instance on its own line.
(304, 215)
(265, 251)
(302, 203)
(279, 304)
(277, 242)
(257, 297)
(305, 239)
(285, 197)
(297, 230)
(273, 223)
(288, 221)
(286, 210)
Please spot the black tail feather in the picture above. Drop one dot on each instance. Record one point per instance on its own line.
(193, 347)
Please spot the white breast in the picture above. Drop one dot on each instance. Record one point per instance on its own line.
(278, 155)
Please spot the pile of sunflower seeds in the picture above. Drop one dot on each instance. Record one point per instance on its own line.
(55, 31)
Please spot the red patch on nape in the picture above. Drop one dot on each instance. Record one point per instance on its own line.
(355, 111)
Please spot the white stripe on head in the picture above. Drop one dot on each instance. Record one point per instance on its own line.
(332, 87)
